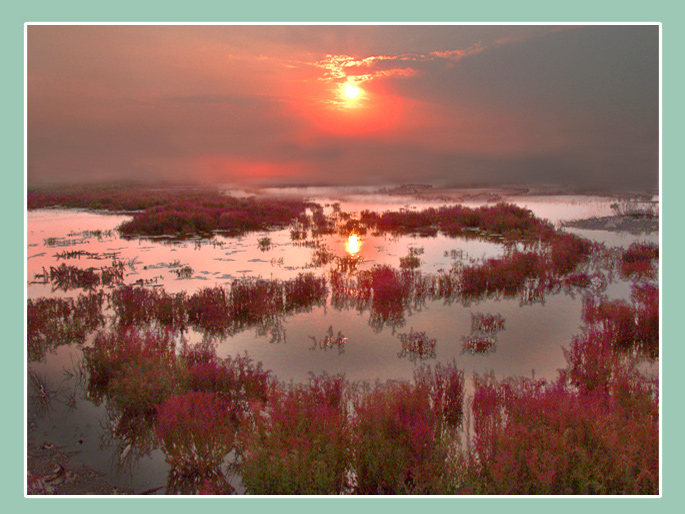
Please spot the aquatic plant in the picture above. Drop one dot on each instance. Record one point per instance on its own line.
(486, 323)
(304, 291)
(567, 251)
(633, 326)
(205, 216)
(135, 370)
(52, 322)
(445, 385)
(506, 274)
(534, 438)
(416, 346)
(197, 431)
(412, 260)
(479, 344)
(264, 244)
(638, 261)
(298, 442)
(396, 445)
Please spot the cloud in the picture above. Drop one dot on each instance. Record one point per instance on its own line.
(347, 68)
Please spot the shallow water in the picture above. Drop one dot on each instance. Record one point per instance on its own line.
(530, 344)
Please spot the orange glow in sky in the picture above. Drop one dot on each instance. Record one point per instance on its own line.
(368, 104)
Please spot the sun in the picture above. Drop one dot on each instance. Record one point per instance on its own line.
(351, 91)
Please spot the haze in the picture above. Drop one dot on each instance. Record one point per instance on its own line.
(453, 105)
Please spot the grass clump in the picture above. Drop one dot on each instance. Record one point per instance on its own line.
(298, 443)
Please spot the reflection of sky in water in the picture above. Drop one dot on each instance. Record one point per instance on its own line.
(532, 338)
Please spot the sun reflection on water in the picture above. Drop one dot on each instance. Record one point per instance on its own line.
(353, 244)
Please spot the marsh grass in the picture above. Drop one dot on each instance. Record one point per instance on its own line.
(417, 346)
(53, 322)
(592, 430)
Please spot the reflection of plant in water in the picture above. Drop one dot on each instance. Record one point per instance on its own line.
(218, 310)
(197, 431)
(75, 254)
(131, 434)
(43, 391)
(66, 277)
(330, 341)
(479, 344)
(483, 337)
(412, 260)
(52, 322)
(348, 263)
(417, 346)
(208, 483)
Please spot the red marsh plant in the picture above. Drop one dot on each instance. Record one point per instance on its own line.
(479, 344)
(412, 260)
(506, 274)
(416, 346)
(197, 431)
(304, 291)
(646, 301)
(567, 252)
(534, 438)
(116, 197)
(185, 216)
(486, 323)
(131, 436)
(445, 386)
(483, 337)
(51, 322)
(629, 326)
(208, 309)
(392, 292)
(396, 443)
(133, 305)
(496, 222)
(135, 370)
(298, 442)
(637, 261)
(237, 378)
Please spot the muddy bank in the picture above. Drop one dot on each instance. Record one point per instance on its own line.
(51, 470)
(630, 224)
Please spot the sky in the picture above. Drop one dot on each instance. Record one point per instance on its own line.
(448, 105)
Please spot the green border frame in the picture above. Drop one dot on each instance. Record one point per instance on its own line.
(17, 14)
